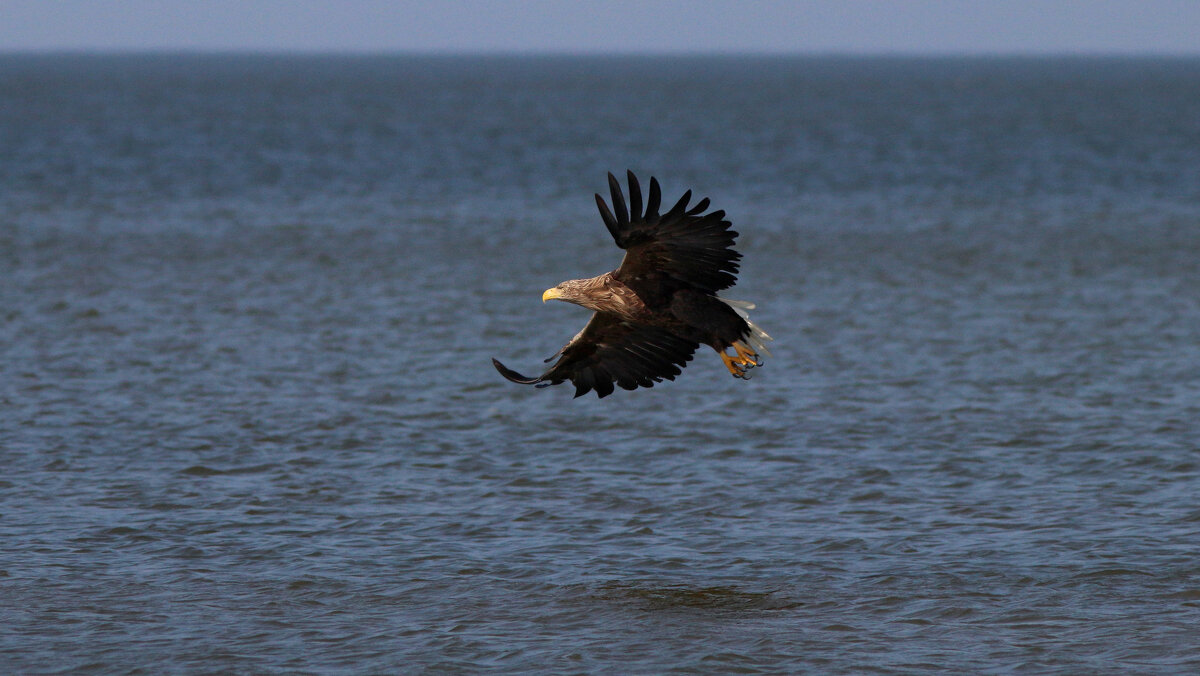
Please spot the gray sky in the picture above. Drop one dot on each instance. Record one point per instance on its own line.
(607, 26)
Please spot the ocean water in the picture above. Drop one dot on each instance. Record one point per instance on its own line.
(248, 420)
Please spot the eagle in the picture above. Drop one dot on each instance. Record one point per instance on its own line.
(653, 312)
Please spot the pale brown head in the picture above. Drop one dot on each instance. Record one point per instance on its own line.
(593, 293)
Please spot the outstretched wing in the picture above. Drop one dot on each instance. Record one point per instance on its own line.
(683, 248)
(611, 350)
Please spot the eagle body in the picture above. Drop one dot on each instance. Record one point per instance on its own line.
(660, 305)
(702, 318)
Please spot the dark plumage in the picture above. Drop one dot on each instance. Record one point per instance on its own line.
(653, 311)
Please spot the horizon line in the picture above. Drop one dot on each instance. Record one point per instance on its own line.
(815, 53)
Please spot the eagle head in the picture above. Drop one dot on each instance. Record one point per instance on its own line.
(590, 293)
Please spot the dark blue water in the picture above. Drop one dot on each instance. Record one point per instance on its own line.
(248, 421)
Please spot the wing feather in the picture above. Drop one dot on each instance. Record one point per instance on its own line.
(677, 210)
(635, 196)
(655, 200)
(683, 248)
(611, 351)
(610, 221)
(618, 199)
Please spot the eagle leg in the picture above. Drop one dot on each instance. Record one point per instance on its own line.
(739, 364)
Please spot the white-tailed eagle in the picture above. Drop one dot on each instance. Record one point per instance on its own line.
(660, 305)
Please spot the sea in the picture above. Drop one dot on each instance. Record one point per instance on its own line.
(249, 421)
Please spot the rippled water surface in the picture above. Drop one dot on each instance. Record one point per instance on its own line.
(248, 421)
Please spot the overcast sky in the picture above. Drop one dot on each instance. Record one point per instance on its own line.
(607, 26)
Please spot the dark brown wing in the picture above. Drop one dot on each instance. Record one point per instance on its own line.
(611, 350)
(683, 248)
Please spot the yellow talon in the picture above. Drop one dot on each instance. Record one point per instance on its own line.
(743, 361)
(747, 356)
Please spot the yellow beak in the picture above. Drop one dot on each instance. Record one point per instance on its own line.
(551, 294)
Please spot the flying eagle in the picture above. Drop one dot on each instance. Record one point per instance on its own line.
(660, 305)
